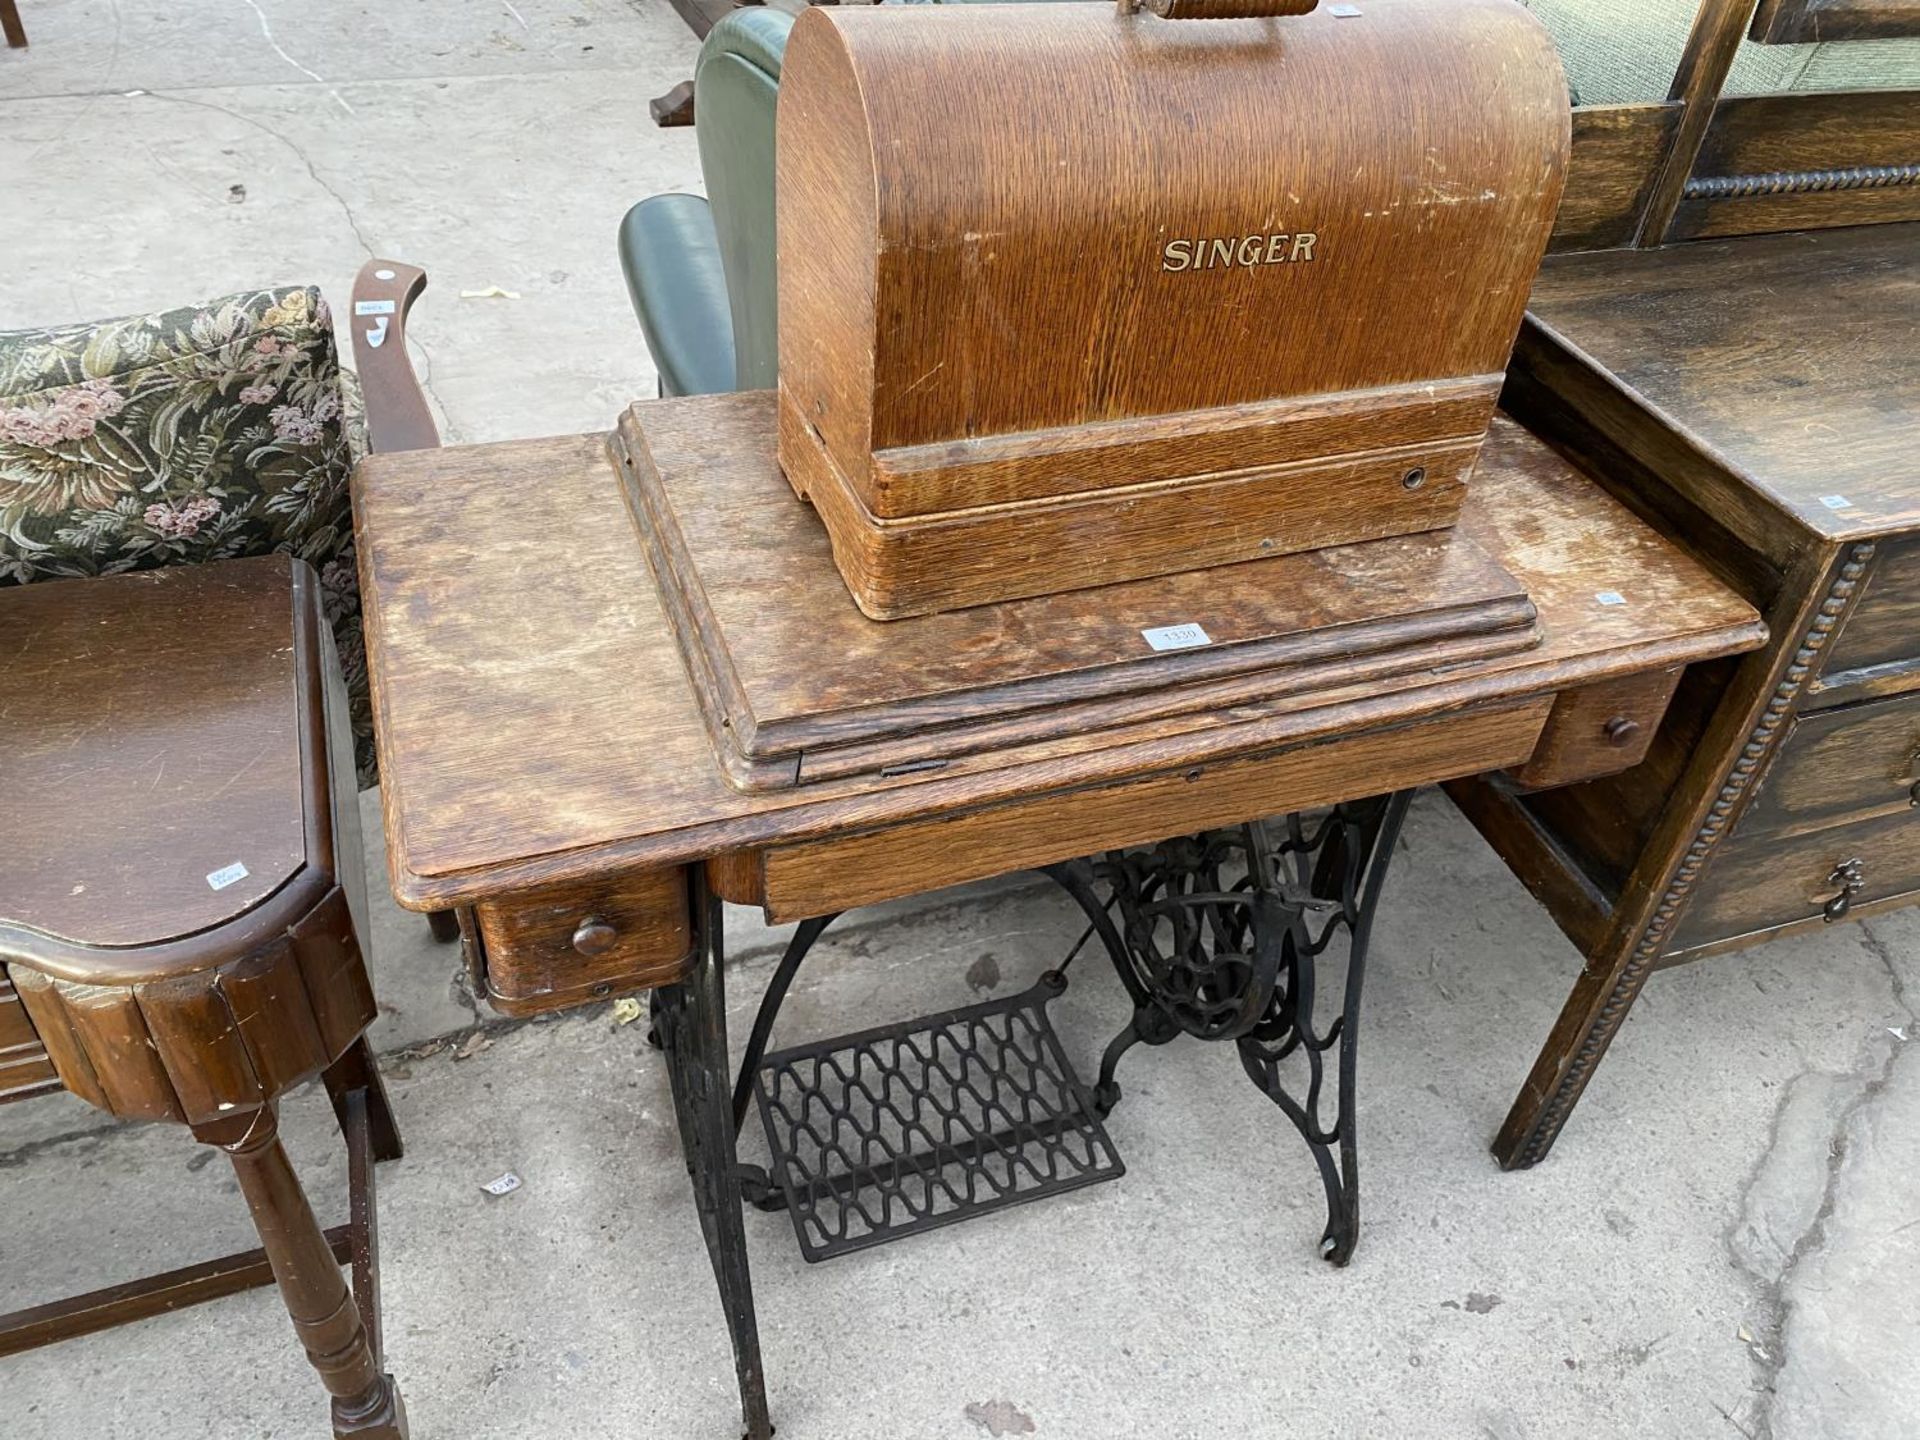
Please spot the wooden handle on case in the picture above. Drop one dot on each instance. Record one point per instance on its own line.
(397, 413)
(1218, 9)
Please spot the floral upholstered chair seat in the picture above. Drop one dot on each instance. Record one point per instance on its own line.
(205, 433)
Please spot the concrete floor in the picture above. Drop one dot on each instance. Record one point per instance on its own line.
(159, 154)
(1725, 1243)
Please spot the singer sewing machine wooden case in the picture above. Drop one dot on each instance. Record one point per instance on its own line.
(1071, 296)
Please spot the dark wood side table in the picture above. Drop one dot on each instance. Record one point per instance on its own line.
(1758, 396)
(1726, 338)
(181, 901)
(550, 769)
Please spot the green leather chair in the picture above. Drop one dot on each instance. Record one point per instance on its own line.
(701, 271)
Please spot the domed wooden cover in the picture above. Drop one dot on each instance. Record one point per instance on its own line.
(1069, 296)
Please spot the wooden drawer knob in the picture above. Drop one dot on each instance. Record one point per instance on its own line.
(1620, 730)
(594, 936)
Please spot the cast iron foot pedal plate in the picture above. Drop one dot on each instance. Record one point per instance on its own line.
(909, 1127)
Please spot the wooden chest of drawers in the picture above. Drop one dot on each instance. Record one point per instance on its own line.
(1755, 397)
(1830, 828)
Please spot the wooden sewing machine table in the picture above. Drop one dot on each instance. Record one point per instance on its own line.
(553, 774)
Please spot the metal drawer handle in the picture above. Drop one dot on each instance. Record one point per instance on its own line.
(1851, 877)
(594, 936)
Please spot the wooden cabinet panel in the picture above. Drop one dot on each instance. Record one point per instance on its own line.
(24, 1067)
(1761, 882)
(571, 944)
(1857, 761)
(1884, 626)
(819, 877)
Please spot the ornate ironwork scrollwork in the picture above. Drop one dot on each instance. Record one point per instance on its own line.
(1220, 936)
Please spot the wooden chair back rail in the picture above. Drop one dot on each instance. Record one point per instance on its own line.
(1701, 165)
(1795, 22)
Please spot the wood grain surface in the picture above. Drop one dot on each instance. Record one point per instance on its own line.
(25, 1069)
(1004, 263)
(801, 685)
(996, 470)
(1764, 376)
(1601, 827)
(1034, 262)
(1861, 760)
(949, 560)
(1754, 398)
(154, 716)
(1882, 630)
(1802, 22)
(1760, 882)
(1705, 59)
(838, 874)
(1804, 162)
(1599, 729)
(538, 958)
(1616, 154)
(536, 723)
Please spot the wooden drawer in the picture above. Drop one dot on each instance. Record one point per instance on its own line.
(821, 876)
(24, 1067)
(1857, 761)
(1760, 882)
(573, 944)
(1884, 626)
(1599, 730)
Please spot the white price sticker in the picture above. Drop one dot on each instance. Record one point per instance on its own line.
(1611, 597)
(504, 1185)
(227, 875)
(373, 307)
(1176, 637)
(1836, 502)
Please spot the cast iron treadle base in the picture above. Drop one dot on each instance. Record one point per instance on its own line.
(909, 1127)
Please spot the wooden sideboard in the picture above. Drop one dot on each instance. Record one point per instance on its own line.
(1751, 397)
(1727, 341)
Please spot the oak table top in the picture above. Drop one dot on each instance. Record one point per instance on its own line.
(536, 723)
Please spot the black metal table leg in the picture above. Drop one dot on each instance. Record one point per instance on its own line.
(798, 944)
(1220, 936)
(691, 1020)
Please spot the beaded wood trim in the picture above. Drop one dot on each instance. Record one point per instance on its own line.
(1802, 182)
(1626, 986)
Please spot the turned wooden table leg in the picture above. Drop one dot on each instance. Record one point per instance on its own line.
(366, 1405)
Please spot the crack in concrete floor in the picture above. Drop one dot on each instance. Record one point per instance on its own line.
(1772, 1261)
